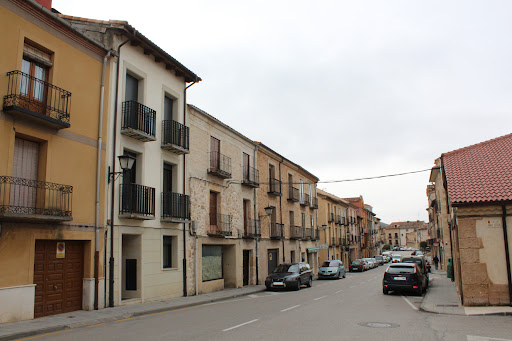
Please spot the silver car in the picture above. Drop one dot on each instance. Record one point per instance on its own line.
(331, 269)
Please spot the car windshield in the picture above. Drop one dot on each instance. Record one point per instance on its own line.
(411, 260)
(400, 270)
(329, 264)
(378, 257)
(287, 268)
(356, 262)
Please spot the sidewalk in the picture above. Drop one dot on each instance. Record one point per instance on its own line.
(82, 318)
(442, 298)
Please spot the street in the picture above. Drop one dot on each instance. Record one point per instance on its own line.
(352, 308)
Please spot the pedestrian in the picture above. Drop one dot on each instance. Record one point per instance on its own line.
(436, 261)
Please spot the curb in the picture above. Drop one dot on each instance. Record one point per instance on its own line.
(33, 333)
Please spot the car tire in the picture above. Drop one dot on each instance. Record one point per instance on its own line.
(385, 291)
(420, 290)
(309, 284)
(298, 285)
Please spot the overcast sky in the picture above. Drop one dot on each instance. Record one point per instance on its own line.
(346, 89)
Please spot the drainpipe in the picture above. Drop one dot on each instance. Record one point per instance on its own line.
(256, 217)
(445, 185)
(98, 182)
(184, 189)
(507, 252)
(280, 206)
(114, 142)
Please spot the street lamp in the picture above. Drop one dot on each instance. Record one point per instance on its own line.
(126, 162)
(326, 242)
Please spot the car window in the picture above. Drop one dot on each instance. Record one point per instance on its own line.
(330, 264)
(356, 262)
(400, 270)
(287, 268)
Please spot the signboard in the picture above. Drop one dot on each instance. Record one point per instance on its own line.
(61, 249)
(493, 222)
(323, 246)
(313, 249)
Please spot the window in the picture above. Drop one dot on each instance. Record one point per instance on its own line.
(167, 180)
(212, 262)
(132, 88)
(213, 208)
(214, 152)
(303, 219)
(168, 108)
(246, 166)
(292, 218)
(301, 190)
(130, 175)
(168, 260)
(312, 222)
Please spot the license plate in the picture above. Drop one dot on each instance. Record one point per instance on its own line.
(277, 283)
(400, 278)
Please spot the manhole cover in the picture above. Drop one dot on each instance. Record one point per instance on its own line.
(379, 324)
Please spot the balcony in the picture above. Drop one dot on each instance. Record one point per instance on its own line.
(219, 225)
(330, 217)
(296, 232)
(307, 234)
(251, 177)
(338, 220)
(314, 203)
(333, 242)
(274, 187)
(276, 231)
(34, 100)
(293, 194)
(175, 137)
(305, 200)
(220, 165)
(251, 229)
(175, 207)
(138, 121)
(315, 234)
(137, 202)
(34, 201)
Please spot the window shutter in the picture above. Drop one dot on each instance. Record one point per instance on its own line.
(37, 55)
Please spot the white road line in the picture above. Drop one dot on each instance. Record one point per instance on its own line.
(337, 292)
(319, 298)
(295, 306)
(484, 338)
(252, 296)
(409, 302)
(239, 325)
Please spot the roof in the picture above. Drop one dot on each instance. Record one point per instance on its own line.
(407, 224)
(480, 173)
(332, 197)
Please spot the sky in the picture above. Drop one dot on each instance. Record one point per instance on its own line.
(346, 89)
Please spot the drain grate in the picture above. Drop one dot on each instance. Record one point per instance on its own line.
(379, 324)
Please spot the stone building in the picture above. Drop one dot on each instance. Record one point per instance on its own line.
(476, 183)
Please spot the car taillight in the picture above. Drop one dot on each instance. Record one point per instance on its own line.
(385, 285)
(415, 287)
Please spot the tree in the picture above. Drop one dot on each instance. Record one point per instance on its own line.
(386, 247)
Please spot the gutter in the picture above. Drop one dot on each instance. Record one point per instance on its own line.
(507, 253)
(256, 216)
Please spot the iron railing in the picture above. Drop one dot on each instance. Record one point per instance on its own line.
(138, 121)
(137, 200)
(175, 206)
(314, 202)
(330, 217)
(175, 134)
(315, 234)
(309, 233)
(251, 176)
(31, 197)
(37, 96)
(251, 228)
(333, 241)
(296, 232)
(274, 186)
(338, 219)
(305, 199)
(293, 194)
(220, 165)
(219, 225)
(276, 231)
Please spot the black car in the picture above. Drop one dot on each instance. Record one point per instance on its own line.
(357, 265)
(420, 261)
(290, 276)
(404, 277)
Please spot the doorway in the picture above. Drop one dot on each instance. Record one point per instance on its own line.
(246, 265)
(272, 259)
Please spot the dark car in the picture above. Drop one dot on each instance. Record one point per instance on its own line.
(420, 261)
(357, 265)
(290, 276)
(331, 269)
(404, 277)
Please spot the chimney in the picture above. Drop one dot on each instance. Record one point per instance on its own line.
(45, 3)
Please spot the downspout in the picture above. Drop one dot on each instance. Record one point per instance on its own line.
(280, 205)
(98, 182)
(256, 217)
(445, 185)
(114, 142)
(507, 252)
(184, 190)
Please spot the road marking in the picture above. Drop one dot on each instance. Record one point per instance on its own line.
(95, 325)
(239, 325)
(484, 338)
(319, 298)
(129, 318)
(409, 302)
(337, 292)
(38, 336)
(295, 306)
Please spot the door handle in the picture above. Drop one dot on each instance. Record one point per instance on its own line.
(54, 287)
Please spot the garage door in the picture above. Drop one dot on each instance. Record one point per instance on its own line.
(58, 277)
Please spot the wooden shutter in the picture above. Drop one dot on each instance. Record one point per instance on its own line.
(213, 208)
(25, 164)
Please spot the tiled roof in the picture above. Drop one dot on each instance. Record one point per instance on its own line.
(481, 172)
(407, 224)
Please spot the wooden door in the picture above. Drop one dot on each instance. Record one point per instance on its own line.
(214, 153)
(213, 209)
(246, 265)
(58, 281)
(132, 89)
(33, 86)
(25, 165)
(272, 259)
(246, 216)
(246, 167)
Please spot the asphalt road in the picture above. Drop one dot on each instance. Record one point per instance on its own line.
(352, 308)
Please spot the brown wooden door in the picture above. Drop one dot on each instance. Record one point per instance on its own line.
(58, 280)
(246, 166)
(246, 216)
(214, 153)
(213, 209)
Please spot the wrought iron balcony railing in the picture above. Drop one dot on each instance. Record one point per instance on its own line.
(305, 199)
(137, 202)
(26, 199)
(338, 220)
(175, 137)
(276, 231)
(251, 229)
(37, 100)
(296, 232)
(333, 241)
(293, 194)
(306, 233)
(138, 121)
(175, 207)
(309, 234)
(315, 234)
(274, 186)
(330, 217)
(219, 225)
(314, 202)
(220, 165)
(251, 177)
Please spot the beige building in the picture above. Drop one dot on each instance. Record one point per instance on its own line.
(53, 164)
(290, 233)
(222, 181)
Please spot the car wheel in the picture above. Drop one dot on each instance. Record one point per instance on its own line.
(310, 282)
(385, 291)
(420, 290)
(298, 284)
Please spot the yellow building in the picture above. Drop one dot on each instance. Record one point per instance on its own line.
(51, 170)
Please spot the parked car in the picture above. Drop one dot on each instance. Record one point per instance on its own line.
(357, 265)
(420, 261)
(331, 269)
(380, 259)
(290, 276)
(396, 258)
(370, 262)
(417, 253)
(404, 277)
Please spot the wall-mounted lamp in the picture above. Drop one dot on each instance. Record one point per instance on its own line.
(126, 162)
